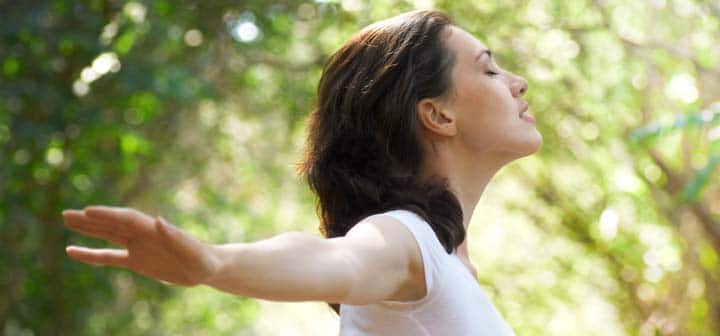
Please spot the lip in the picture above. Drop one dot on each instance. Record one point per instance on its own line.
(524, 108)
(525, 116)
(528, 118)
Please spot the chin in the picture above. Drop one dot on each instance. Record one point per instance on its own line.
(526, 148)
(536, 145)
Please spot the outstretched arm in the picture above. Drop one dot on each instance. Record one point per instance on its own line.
(292, 266)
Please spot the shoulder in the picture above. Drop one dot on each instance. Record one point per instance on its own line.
(387, 231)
(402, 226)
(402, 229)
(383, 244)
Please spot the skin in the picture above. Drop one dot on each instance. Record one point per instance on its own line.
(468, 136)
(475, 131)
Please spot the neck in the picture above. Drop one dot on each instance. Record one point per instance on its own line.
(468, 174)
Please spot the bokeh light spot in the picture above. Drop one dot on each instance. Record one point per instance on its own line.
(608, 224)
(681, 87)
(193, 38)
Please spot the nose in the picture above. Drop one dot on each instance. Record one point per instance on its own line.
(518, 86)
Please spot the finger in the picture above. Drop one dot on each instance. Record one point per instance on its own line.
(81, 215)
(100, 235)
(104, 257)
(79, 222)
(127, 217)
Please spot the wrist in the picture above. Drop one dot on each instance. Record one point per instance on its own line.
(214, 264)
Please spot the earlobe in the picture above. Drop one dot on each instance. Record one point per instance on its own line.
(434, 118)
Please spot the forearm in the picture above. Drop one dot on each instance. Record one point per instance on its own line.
(292, 266)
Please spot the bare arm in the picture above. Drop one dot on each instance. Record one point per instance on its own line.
(360, 268)
(289, 267)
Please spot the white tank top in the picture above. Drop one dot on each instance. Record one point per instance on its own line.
(454, 305)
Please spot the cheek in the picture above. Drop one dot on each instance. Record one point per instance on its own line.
(485, 114)
(484, 97)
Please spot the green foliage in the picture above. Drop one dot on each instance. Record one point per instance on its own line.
(697, 119)
(691, 192)
(707, 117)
(195, 110)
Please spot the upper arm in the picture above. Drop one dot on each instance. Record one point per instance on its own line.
(382, 259)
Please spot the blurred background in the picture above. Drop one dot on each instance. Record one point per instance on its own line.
(196, 110)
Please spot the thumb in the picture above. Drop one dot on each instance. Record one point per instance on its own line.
(176, 241)
(189, 251)
(169, 234)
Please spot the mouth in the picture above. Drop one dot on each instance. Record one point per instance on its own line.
(524, 115)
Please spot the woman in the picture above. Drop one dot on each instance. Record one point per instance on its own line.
(413, 119)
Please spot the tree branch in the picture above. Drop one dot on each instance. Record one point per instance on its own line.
(674, 185)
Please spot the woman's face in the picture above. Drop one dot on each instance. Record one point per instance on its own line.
(486, 101)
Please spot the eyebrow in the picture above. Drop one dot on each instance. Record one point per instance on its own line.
(483, 52)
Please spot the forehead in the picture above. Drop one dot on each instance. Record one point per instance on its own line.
(463, 44)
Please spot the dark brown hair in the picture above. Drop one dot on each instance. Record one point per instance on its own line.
(364, 150)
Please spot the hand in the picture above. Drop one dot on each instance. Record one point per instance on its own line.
(153, 247)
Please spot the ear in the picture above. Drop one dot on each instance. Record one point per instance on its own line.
(435, 118)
